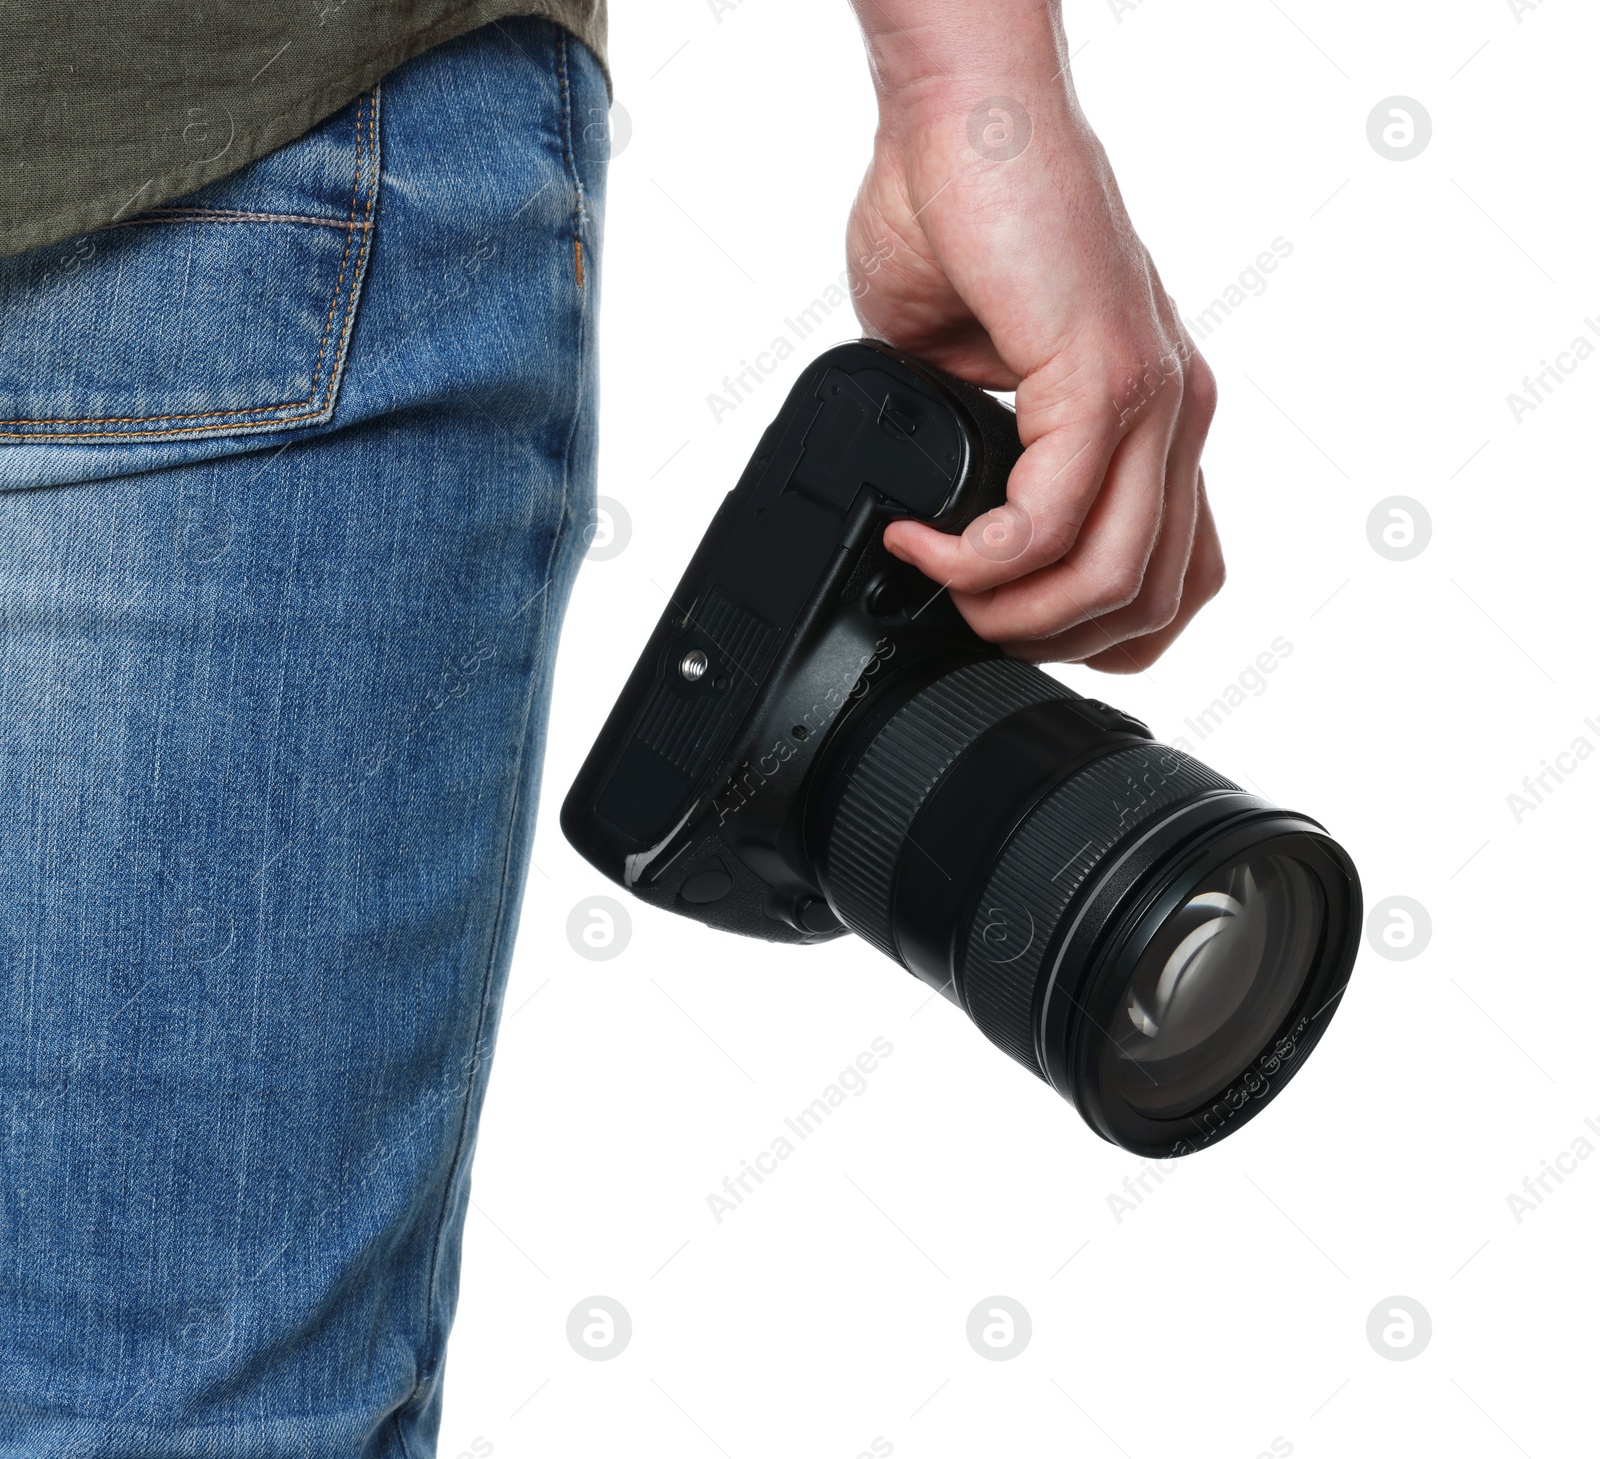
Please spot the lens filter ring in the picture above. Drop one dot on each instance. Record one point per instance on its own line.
(1258, 914)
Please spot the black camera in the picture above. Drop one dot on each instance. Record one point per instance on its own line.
(814, 741)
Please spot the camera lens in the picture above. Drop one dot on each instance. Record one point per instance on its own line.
(1213, 984)
(1160, 946)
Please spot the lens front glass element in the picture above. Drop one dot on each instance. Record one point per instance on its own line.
(1214, 984)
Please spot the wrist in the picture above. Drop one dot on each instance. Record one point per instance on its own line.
(989, 112)
(978, 133)
(953, 53)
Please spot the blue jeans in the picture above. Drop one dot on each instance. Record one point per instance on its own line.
(294, 478)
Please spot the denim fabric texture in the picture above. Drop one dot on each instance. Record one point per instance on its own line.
(294, 483)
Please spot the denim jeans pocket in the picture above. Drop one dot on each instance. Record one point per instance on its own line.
(225, 313)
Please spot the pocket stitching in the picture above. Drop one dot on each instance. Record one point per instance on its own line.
(227, 215)
(365, 157)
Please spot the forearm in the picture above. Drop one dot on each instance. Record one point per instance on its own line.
(938, 51)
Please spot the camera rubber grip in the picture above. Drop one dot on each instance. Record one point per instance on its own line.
(907, 759)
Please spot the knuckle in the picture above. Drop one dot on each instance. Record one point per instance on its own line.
(1136, 384)
(1200, 388)
(1054, 537)
(1206, 578)
(1118, 588)
(1160, 610)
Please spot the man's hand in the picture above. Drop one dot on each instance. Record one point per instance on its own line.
(989, 238)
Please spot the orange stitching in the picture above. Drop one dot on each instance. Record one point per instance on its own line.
(338, 288)
(366, 235)
(352, 228)
(572, 166)
(227, 425)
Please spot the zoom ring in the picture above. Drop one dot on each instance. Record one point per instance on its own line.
(908, 758)
(1045, 865)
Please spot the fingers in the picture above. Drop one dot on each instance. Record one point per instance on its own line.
(1104, 543)
(1107, 566)
(1050, 495)
(1161, 597)
(1202, 582)
(1155, 606)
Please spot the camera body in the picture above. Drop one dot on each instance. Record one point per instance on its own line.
(814, 742)
(791, 620)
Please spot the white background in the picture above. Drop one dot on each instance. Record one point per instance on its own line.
(1229, 1309)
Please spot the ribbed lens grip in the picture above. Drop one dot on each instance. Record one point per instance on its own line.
(1042, 869)
(909, 756)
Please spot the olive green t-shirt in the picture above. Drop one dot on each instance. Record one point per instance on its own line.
(115, 106)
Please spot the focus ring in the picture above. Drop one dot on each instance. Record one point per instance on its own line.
(1044, 866)
(906, 761)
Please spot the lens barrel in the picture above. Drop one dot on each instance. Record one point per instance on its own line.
(1158, 945)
